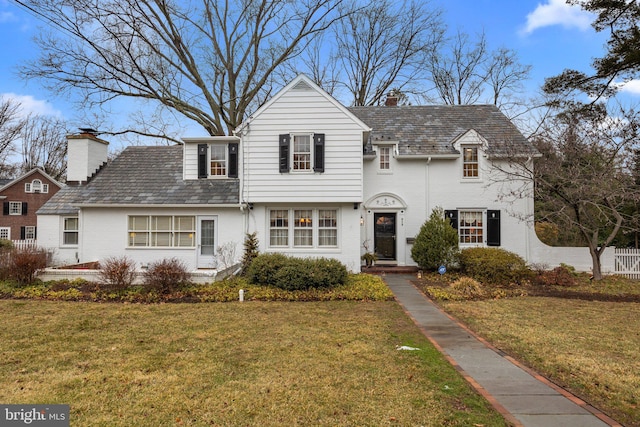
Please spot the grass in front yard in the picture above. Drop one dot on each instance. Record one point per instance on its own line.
(590, 347)
(252, 363)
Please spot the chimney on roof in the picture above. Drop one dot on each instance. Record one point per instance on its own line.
(392, 99)
(86, 153)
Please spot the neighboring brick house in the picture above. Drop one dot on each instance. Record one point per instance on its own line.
(21, 198)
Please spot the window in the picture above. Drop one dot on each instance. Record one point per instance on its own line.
(15, 208)
(470, 164)
(310, 228)
(327, 227)
(218, 160)
(385, 158)
(302, 152)
(5, 233)
(279, 228)
(470, 227)
(161, 231)
(70, 231)
(36, 186)
(302, 228)
(29, 232)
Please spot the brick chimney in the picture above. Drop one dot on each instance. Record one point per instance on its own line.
(86, 153)
(392, 99)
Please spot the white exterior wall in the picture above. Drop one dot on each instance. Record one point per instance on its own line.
(348, 249)
(50, 237)
(302, 111)
(414, 187)
(103, 233)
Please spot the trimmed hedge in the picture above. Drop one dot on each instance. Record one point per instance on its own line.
(494, 266)
(290, 273)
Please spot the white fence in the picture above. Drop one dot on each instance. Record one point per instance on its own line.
(627, 262)
(23, 244)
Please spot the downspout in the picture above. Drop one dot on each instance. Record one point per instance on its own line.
(426, 185)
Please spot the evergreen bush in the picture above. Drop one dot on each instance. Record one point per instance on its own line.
(494, 266)
(437, 242)
(291, 273)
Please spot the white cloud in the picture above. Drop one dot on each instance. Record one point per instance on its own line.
(7, 17)
(557, 12)
(631, 87)
(30, 105)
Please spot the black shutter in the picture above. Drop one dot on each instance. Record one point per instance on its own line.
(453, 218)
(493, 228)
(35, 232)
(318, 154)
(23, 233)
(5, 208)
(24, 208)
(285, 141)
(233, 160)
(202, 161)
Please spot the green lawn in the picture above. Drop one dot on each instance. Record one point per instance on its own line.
(252, 363)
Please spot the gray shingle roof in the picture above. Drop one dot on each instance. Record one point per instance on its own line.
(143, 175)
(432, 129)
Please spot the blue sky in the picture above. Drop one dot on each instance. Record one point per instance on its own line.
(547, 34)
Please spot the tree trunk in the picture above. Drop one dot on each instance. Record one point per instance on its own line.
(596, 265)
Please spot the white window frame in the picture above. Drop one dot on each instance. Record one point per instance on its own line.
(470, 163)
(224, 162)
(70, 231)
(384, 158)
(161, 231)
(5, 233)
(470, 233)
(36, 186)
(29, 232)
(294, 162)
(15, 208)
(292, 232)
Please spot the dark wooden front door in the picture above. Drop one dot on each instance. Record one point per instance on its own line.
(385, 235)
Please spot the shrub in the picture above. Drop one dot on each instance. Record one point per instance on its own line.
(166, 276)
(561, 276)
(5, 244)
(264, 267)
(493, 266)
(22, 265)
(292, 273)
(437, 242)
(117, 272)
(250, 251)
(468, 288)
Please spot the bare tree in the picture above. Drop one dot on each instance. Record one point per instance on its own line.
(384, 46)
(466, 70)
(10, 126)
(582, 180)
(44, 145)
(211, 61)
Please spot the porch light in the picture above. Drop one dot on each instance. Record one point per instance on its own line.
(361, 220)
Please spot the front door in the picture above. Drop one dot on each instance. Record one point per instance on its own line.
(385, 236)
(206, 242)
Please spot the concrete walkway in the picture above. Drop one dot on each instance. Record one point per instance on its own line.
(523, 397)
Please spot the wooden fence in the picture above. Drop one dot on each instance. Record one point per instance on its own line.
(627, 263)
(23, 244)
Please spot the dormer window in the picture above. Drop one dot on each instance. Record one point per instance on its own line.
(218, 160)
(470, 164)
(385, 158)
(36, 186)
